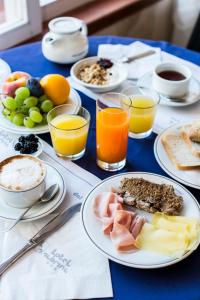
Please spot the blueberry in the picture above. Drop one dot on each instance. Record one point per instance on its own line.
(30, 137)
(35, 87)
(18, 147)
(25, 150)
(21, 139)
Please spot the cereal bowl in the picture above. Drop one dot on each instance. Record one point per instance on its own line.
(87, 73)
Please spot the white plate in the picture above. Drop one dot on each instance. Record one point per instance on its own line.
(4, 70)
(119, 69)
(192, 96)
(43, 209)
(39, 129)
(189, 177)
(141, 258)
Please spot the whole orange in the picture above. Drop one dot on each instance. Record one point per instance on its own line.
(56, 87)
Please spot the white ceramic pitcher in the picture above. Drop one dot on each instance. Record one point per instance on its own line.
(67, 41)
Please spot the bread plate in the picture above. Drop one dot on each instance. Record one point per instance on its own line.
(139, 259)
(118, 70)
(188, 177)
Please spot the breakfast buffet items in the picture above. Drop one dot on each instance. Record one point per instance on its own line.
(27, 100)
(27, 144)
(22, 180)
(142, 104)
(69, 125)
(66, 42)
(112, 124)
(99, 74)
(144, 235)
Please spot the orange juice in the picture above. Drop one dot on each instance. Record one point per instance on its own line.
(69, 134)
(142, 114)
(112, 134)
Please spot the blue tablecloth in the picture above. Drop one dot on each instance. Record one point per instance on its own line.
(181, 281)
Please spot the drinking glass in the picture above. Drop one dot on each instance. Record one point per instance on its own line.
(112, 124)
(143, 103)
(69, 125)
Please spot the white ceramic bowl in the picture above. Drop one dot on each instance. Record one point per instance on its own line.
(119, 71)
(24, 198)
(171, 88)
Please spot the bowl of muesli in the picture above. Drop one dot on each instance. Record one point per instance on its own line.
(99, 74)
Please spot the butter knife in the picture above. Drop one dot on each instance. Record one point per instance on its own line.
(128, 59)
(52, 226)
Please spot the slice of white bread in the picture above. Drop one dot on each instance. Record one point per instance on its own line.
(179, 152)
(194, 146)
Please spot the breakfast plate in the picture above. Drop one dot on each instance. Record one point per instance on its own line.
(142, 258)
(43, 209)
(187, 177)
(191, 97)
(116, 74)
(5, 124)
(4, 70)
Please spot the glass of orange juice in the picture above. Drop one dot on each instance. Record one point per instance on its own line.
(112, 124)
(142, 103)
(69, 125)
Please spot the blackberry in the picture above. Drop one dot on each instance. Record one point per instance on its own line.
(105, 63)
(26, 150)
(30, 137)
(21, 139)
(18, 147)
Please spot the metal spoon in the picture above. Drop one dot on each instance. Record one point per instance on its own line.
(46, 197)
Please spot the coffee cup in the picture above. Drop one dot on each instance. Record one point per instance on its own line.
(22, 180)
(171, 79)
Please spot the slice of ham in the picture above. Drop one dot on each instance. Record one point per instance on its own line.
(122, 226)
(105, 206)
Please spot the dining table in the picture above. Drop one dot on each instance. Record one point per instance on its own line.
(177, 282)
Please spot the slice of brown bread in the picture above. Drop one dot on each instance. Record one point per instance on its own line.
(194, 146)
(179, 152)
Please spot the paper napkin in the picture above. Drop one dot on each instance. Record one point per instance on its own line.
(66, 266)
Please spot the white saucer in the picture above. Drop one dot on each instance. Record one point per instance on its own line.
(39, 129)
(5, 70)
(188, 177)
(141, 258)
(41, 210)
(191, 97)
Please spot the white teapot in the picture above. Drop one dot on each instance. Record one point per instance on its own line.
(67, 41)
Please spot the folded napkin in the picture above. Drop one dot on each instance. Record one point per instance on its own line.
(137, 67)
(66, 265)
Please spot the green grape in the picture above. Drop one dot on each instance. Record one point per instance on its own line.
(42, 98)
(11, 116)
(18, 119)
(28, 122)
(6, 112)
(46, 106)
(10, 103)
(36, 116)
(22, 92)
(24, 109)
(19, 101)
(30, 102)
(44, 121)
(34, 108)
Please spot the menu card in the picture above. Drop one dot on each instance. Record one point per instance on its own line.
(65, 266)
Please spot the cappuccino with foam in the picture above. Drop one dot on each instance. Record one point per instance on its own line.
(21, 172)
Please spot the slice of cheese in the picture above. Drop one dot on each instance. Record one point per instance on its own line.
(170, 235)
